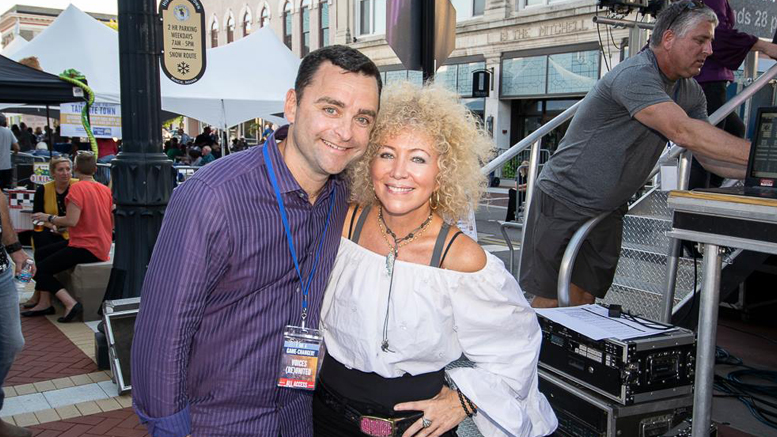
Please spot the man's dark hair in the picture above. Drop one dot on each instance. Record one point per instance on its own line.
(347, 58)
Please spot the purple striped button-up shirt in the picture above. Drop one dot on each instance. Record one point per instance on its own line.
(220, 287)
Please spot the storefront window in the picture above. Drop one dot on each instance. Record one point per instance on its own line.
(465, 76)
(572, 72)
(563, 73)
(447, 76)
(524, 76)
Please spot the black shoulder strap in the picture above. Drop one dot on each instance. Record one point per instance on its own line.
(360, 223)
(353, 218)
(450, 243)
(438, 245)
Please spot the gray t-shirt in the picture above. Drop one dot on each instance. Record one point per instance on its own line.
(7, 139)
(607, 154)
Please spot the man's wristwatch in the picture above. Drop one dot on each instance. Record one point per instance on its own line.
(51, 219)
(15, 247)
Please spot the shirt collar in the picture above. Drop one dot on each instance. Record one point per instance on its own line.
(286, 181)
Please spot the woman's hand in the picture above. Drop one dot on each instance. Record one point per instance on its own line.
(443, 410)
(40, 216)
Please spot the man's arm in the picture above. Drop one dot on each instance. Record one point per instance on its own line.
(189, 258)
(15, 147)
(9, 236)
(718, 151)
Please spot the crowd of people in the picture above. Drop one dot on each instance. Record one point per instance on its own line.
(325, 288)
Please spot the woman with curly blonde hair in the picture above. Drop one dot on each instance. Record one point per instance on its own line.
(409, 293)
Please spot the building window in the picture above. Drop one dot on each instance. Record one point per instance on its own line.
(230, 29)
(458, 77)
(323, 11)
(371, 17)
(563, 73)
(412, 76)
(287, 25)
(265, 18)
(305, 17)
(246, 23)
(478, 7)
(214, 34)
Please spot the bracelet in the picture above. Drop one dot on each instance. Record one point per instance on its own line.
(14, 247)
(463, 404)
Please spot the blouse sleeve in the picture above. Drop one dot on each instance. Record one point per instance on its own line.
(499, 333)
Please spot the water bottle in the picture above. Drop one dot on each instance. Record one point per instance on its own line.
(26, 274)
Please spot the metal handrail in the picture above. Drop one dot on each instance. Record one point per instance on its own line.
(565, 270)
(577, 239)
(530, 139)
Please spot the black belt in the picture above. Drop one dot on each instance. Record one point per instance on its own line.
(371, 425)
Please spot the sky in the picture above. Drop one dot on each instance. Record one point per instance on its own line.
(103, 6)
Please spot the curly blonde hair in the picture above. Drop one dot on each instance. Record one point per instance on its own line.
(459, 139)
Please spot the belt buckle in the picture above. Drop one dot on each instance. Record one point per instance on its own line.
(377, 426)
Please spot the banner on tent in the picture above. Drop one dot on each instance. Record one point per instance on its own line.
(40, 174)
(105, 119)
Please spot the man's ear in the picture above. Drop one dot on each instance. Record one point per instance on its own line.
(668, 40)
(290, 105)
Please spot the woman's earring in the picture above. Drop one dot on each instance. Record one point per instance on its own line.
(434, 200)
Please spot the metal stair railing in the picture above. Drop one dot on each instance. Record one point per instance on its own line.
(533, 140)
(683, 176)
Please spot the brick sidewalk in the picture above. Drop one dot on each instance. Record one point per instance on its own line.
(48, 354)
(119, 423)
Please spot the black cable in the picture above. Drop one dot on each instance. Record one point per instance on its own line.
(601, 44)
(753, 396)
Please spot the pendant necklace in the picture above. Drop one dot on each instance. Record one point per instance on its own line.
(398, 242)
(391, 258)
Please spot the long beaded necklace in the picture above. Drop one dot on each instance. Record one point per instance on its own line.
(391, 258)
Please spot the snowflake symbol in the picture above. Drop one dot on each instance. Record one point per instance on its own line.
(183, 68)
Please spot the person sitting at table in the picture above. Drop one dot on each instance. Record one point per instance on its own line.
(409, 293)
(89, 218)
(50, 199)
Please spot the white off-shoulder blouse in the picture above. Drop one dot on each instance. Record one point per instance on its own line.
(435, 315)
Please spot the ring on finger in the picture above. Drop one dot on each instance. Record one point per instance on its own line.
(426, 423)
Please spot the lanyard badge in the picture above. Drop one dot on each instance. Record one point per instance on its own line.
(302, 346)
(301, 358)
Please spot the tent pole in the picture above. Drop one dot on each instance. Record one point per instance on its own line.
(50, 138)
(225, 148)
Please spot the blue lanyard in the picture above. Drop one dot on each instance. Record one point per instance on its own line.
(284, 218)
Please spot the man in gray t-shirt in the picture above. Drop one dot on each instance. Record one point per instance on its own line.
(614, 140)
(8, 143)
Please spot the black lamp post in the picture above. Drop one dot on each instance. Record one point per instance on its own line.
(142, 174)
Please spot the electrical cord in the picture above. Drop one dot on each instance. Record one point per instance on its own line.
(757, 397)
(601, 44)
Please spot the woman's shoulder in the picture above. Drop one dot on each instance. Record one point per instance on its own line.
(351, 217)
(463, 254)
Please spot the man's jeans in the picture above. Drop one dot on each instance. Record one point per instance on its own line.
(11, 340)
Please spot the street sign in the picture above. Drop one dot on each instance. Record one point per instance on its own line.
(480, 83)
(444, 31)
(404, 21)
(183, 37)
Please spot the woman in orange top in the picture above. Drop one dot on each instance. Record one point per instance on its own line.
(90, 221)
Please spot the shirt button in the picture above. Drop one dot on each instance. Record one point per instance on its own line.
(297, 290)
(353, 309)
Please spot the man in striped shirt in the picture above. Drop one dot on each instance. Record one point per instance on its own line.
(221, 284)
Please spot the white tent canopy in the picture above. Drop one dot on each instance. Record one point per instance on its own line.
(243, 80)
(14, 46)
